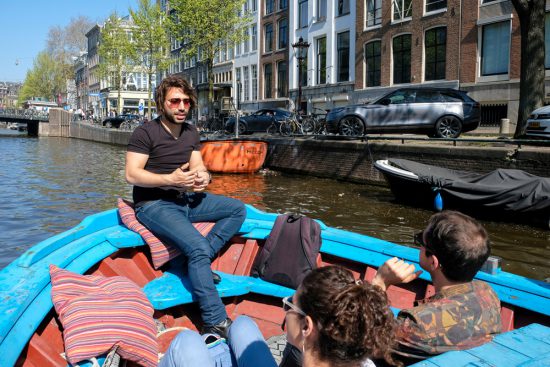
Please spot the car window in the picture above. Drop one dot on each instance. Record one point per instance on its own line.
(450, 96)
(259, 113)
(402, 96)
(281, 113)
(427, 96)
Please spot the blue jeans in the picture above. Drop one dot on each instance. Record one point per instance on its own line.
(247, 345)
(171, 221)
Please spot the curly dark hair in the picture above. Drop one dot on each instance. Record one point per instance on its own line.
(353, 318)
(173, 81)
(460, 243)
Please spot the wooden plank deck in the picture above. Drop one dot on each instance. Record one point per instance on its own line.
(525, 347)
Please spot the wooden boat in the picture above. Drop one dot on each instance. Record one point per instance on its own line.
(234, 156)
(30, 334)
(504, 194)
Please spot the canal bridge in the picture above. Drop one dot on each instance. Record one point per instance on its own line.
(25, 116)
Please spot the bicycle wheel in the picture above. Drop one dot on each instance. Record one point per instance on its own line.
(125, 126)
(272, 129)
(308, 126)
(287, 128)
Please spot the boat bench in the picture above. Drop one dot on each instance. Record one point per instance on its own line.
(173, 289)
(528, 346)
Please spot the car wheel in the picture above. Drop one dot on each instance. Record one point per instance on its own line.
(351, 126)
(448, 127)
(108, 124)
(242, 127)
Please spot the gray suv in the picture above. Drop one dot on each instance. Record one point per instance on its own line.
(438, 112)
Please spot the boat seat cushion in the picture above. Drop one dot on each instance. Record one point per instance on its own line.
(99, 313)
(161, 253)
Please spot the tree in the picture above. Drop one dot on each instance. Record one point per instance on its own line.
(208, 25)
(64, 43)
(151, 41)
(531, 14)
(116, 52)
(46, 79)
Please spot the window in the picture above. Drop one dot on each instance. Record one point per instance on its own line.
(303, 72)
(267, 80)
(254, 71)
(322, 60)
(254, 37)
(254, 7)
(342, 44)
(547, 41)
(282, 89)
(269, 5)
(321, 9)
(238, 80)
(238, 49)
(283, 34)
(436, 44)
(283, 4)
(246, 83)
(246, 45)
(372, 61)
(268, 46)
(402, 59)
(402, 9)
(433, 5)
(495, 48)
(302, 13)
(374, 12)
(343, 7)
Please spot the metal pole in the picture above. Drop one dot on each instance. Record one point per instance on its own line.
(238, 105)
(299, 102)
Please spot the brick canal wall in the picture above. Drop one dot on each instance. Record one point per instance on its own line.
(353, 160)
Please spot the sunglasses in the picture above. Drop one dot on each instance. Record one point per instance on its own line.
(175, 102)
(288, 306)
(419, 241)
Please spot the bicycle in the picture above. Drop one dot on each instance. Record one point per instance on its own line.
(273, 128)
(291, 126)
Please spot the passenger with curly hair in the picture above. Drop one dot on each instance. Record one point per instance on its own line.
(332, 319)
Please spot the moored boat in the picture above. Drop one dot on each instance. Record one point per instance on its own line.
(233, 156)
(503, 194)
(101, 245)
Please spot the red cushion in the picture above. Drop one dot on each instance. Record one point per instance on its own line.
(99, 313)
(160, 253)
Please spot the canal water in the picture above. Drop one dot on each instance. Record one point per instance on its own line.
(50, 184)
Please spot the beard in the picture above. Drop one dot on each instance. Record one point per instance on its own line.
(170, 117)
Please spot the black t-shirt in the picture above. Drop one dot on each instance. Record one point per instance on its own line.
(165, 155)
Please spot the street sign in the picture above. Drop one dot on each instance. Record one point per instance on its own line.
(140, 108)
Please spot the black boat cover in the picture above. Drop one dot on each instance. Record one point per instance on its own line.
(510, 190)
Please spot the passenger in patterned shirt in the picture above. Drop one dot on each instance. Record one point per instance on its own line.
(463, 313)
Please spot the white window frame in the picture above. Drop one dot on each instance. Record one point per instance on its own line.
(437, 11)
(400, 4)
(376, 26)
(480, 23)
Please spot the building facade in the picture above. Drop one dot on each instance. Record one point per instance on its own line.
(9, 92)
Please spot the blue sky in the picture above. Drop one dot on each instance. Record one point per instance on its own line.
(25, 24)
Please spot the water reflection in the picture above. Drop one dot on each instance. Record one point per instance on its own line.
(51, 184)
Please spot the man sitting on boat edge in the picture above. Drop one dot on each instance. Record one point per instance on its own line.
(463, 313)
(165, 165)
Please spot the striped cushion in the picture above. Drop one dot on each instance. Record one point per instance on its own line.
(99, 313)
(160, 253)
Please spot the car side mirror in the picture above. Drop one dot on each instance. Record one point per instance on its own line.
(385, 101)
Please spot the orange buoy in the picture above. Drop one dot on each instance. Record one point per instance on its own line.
(233, 156)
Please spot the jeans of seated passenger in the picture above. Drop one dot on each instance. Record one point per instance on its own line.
(188, 349)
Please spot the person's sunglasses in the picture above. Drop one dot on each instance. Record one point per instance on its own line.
(175, 102)
(419, 241)
(288, 306)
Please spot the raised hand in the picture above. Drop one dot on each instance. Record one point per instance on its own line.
(395, 271)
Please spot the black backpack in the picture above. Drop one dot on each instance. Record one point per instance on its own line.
(290, 251)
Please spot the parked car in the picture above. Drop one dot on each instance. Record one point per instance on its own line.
(538, 123)
(117, 120)
(438, 112)
(258, 121)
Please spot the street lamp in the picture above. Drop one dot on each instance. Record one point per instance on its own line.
(300, 52)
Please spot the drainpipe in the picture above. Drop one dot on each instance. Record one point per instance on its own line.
(459, 40)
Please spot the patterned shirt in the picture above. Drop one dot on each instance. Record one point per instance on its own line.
(459, 317)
